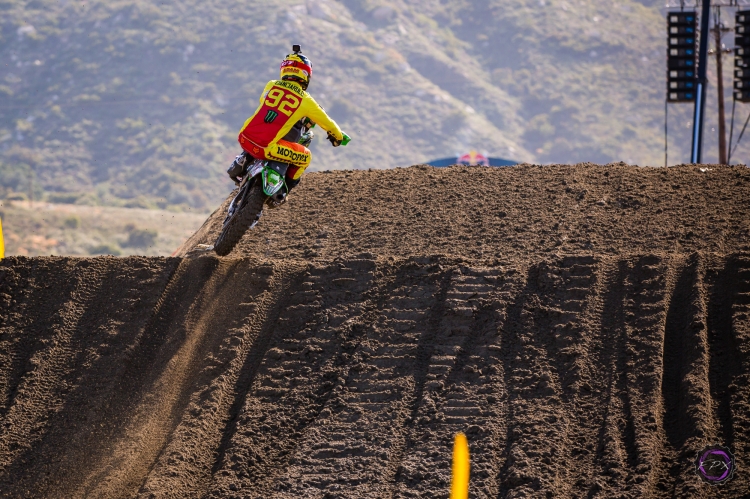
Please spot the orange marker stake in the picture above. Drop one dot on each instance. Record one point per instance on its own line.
(460, 480)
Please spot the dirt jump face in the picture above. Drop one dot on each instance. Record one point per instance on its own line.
(586, 327)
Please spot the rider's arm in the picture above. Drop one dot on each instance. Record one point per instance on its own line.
(319, 117)
(265, 92)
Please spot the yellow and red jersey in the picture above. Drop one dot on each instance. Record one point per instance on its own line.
(282, 104)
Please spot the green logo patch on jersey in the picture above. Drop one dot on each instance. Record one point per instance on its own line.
(270, 116)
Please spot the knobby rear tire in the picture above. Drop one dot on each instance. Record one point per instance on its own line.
(240, 221)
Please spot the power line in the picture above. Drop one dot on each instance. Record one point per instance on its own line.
(741, 133)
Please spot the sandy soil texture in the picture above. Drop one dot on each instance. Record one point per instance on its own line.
(504, 214)
(574, 372)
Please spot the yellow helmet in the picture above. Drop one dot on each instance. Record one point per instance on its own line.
(296, 67)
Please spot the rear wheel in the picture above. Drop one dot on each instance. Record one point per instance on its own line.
(240, 221)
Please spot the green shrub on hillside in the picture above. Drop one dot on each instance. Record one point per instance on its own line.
(72, 222)
(105, 249)
(140, 238)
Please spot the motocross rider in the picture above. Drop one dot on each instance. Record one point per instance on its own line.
(283, 120)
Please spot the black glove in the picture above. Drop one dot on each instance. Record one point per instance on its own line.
(334, 141)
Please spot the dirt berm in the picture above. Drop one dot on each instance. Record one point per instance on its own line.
(587, 327)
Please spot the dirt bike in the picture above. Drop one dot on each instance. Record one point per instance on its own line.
(262, 185)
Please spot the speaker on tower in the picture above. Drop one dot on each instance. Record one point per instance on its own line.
(742, 56)
(681, 56)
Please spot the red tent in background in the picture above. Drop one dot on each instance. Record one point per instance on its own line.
(472, 158)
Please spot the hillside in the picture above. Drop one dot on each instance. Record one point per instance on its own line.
(137, 104)
(587, 327)
(44, 229)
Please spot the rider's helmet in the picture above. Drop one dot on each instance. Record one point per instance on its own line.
(297, 67)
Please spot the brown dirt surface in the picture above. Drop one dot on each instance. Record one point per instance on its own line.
(587, 327)
(506, 214)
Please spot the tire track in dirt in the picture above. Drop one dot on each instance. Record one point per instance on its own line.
(576, 376)
(27, 319)
(630, 438)
(362, 433)
(647, 288)
(729, 334)
(42, 386)
(725, 365)
(98, 342)
(553, 360)
(572, 308)
(463, 389)
(535, 430)
(687, 419)
(160, 375)
(312, 343)
(740, 403)
(233, 316)
(431, 340)
(612, 448)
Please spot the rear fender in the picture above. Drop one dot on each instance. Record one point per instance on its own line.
(272, 181)
(272, 173)
(273, 177)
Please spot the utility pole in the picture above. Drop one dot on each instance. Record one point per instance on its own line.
(700, 101)
(718, 52)
(718, 30)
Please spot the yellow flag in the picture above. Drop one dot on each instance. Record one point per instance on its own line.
(460, 481)
(2, 244)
